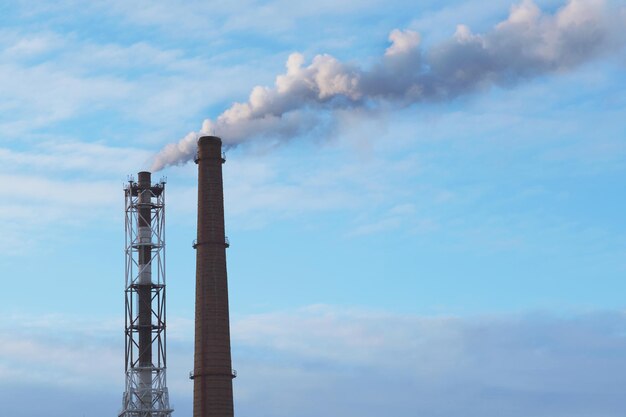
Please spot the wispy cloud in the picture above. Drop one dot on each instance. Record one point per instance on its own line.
(60, 156)
(34, 209)
(435, 365)
(199, 20)
(60, 183)
(50, 77)
(322, 360)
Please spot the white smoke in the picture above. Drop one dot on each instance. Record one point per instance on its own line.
(527, 44)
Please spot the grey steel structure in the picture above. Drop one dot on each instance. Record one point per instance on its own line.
(213, 386)
(146, 392)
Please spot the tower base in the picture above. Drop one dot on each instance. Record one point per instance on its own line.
(141, 400)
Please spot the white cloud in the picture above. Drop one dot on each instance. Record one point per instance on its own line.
(201, 20)
(402, 216)
(323, 360)
(48, 78)
(29, 46)
(36, 211)
(355, 362)
(57, 156)
(262, 187)
(58, 183)
(40, 95)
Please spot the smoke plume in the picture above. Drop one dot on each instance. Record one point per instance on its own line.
(527, 44)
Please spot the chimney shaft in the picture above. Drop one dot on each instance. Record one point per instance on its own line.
(213, 388)
(144, 284)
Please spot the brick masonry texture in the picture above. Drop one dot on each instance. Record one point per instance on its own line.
(213, 388)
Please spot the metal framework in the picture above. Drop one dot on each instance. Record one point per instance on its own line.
(146, 393)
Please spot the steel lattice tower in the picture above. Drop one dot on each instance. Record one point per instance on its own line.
(146, 392)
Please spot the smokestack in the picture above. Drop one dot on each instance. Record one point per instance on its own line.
(144, 286)
(146, 393)
(213, 374)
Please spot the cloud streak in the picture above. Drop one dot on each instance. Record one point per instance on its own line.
(527, 44)
(361, 363)
(322, 360)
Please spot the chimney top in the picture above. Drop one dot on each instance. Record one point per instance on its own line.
(209, 139)
(144, 177)
(209, 147)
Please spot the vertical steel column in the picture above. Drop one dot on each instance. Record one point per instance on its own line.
(213, 374)
(144, 287)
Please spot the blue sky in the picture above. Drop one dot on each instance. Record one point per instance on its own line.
(404, 258)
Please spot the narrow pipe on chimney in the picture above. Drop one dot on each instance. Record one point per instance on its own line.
(144, 286)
